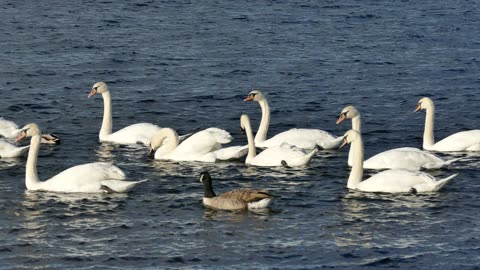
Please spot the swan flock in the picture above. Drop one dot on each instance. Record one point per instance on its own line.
(295, 147)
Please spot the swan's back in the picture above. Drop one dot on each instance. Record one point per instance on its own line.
(303, 138)
(397, 181)
(403, 158)
(83, 178)
(133, 134)
(274, 156)
(7, 128)
(204, 141)
(461, 141)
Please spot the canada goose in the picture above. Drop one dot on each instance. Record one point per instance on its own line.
(240, 199)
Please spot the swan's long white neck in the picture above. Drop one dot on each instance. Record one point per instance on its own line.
(252, 152)
(262, 131)
(356, 125)
(107, 116)
(428, 137)
(356, 174)
(31, 175)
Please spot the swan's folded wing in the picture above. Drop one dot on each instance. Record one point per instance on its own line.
(460, 141)
(204, 141)
(304, 138)
(395, 181)
(232, 152)
(119, 186)
(90, 172)
(134, 134)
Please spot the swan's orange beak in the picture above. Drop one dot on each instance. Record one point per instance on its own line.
(21, 136)
(92, 93)
(418, 108)
(344, 142)
(342, 117)
(249, 98)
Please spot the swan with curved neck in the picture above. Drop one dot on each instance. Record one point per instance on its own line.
(303, 138)
(390, 181)
(281, 155)
(461, 141)
(10, 130)
(89, 178)
(397, 158)
(205, 145)
(133, 134)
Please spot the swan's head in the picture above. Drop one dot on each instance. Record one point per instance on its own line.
(98, 88)
(350, 136)
(348, 112)
(244, 121)
(255, 95)
(28, 131)
(165, 136)
(423, 104)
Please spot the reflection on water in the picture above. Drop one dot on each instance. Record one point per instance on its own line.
(366, 215)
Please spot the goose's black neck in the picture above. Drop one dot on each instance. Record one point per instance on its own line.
(207, 184)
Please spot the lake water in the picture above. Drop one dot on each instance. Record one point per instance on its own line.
(188, 65)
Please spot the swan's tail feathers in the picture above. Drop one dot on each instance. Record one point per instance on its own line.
(331, 144)
(184, 137)
(301, 160)
(119, 186)
(440, 183)
(233, 152)
(220, 135)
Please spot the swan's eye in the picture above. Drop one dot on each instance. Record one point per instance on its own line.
(95, 88)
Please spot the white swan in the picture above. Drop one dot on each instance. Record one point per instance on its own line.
(133, 134)
(10, 130)
(202, 146)
(303, 138)
(461, 141)
(284, 154)
(89, 178)
(391, 181)
(8, 150)
(398, 158)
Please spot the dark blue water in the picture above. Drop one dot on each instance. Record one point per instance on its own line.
(188, 65)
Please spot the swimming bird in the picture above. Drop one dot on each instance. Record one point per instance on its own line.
(397, 158)
(280, 155)
(461, 141)
(390, 181)
(88, 178)
(241, 199)
(300, 137)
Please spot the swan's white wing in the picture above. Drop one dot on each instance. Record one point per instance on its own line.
(398, 181)
(8, 129)
(274, 156)
(119, 186)
(404, 158)
(232, 152)
(140, 133)
(460, 141)
(8, 150)
(83, 178)
(203, 142)
(303, 138)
